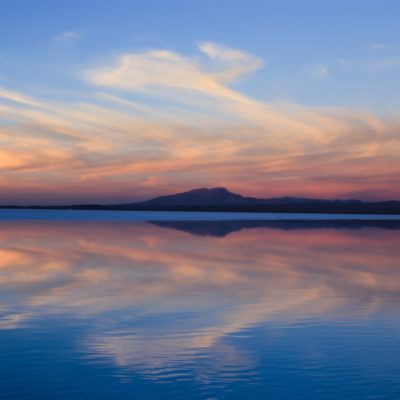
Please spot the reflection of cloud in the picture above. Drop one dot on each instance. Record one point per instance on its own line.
(121, 272)
(148, 350)
(14, 321)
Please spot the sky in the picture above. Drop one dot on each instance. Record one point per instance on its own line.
(116, 101)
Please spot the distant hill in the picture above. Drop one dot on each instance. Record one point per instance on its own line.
(223, 197)
(202, 197)
(222, 200)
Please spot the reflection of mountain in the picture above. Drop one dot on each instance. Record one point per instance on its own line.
(224, 228)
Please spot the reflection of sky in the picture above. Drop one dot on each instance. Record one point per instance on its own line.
(164, 302)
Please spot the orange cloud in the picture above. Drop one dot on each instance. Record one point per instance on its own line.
(165, 122)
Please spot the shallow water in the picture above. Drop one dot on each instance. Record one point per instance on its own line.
(199, 309)
(112, 215)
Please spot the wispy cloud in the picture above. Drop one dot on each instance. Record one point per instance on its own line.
(383, 57)
(160, 71)
(230, 64)
(343, 64)
(386, 63)
(317, 71)
(380, 46)
(166, 121)
(67, 37)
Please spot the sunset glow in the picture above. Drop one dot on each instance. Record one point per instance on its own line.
(199, 199)
(140, 114)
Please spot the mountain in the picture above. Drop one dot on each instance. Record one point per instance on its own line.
(203, 197)
(221, 199)
(220, 196)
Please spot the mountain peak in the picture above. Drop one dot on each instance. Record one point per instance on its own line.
(212, 191)
(221, 199)
(201, 196)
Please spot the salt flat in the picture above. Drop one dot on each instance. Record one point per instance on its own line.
(96, 215)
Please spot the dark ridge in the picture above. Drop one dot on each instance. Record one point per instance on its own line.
(222, 200)
(201, 197)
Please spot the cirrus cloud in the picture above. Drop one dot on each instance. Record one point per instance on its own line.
(158, 70)
(318, 71)
(167, 122)
(67, 37)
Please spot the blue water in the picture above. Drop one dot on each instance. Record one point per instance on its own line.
(96, 215)
(199, 309)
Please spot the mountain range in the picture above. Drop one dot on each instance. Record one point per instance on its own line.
(222, 200)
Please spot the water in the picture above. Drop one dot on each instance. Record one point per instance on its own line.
(199, 309)
(112, 215)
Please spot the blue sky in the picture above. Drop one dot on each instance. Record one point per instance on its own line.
(326, 53)
(337, 57)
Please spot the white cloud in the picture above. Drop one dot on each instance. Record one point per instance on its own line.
(383, 57)
(379, 46)
(67, 37)
(159, 70)
(191, 128)
(386, 63)
(232, 63)
(344, 64)
(318, 71)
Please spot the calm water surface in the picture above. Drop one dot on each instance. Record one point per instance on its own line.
(197, 309)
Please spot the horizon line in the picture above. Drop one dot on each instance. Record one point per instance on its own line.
(101, 204)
